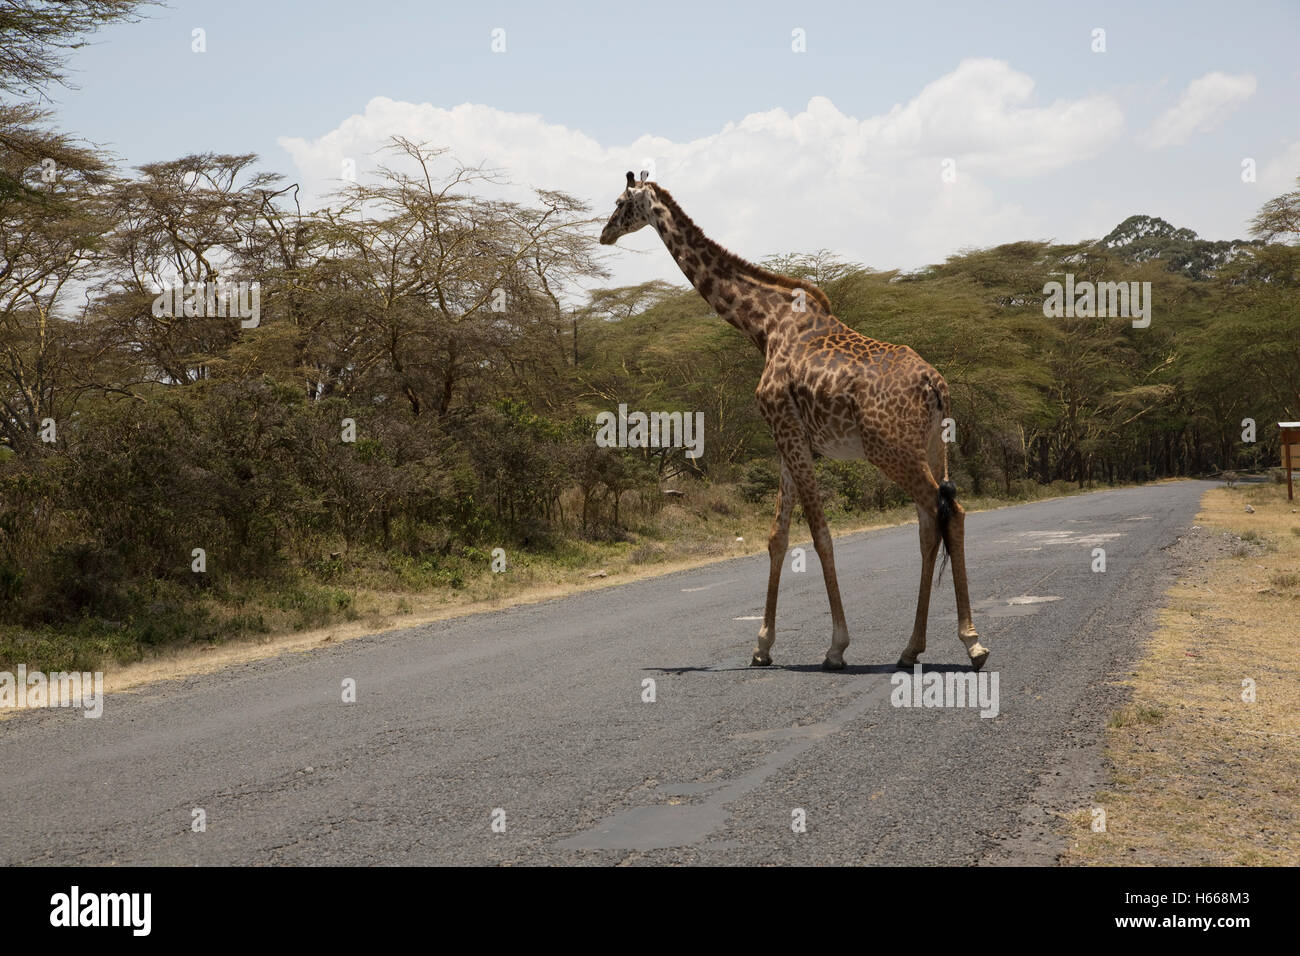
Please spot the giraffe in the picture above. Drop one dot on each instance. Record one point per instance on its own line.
(829, 390)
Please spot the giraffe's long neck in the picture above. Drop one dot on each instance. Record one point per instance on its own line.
(711, 269)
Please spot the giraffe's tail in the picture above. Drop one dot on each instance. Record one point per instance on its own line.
(947, 499)
(947, 490)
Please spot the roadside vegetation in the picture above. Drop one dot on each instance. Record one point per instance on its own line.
(1203, 760)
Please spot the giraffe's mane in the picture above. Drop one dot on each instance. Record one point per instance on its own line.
(728, 258)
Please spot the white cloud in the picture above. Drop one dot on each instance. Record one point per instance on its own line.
(1279, 174)
(1204, 105)
(870, 189)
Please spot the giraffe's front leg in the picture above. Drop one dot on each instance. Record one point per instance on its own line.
(796, 452)
(777, 541)
(826, 555)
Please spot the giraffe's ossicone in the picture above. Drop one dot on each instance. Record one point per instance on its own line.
(825, 389)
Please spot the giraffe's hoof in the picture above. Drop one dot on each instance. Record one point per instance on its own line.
(831, 665)
(980, 656)
(760, 661)
(904, 664)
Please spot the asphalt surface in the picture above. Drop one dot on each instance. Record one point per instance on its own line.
(538, 712)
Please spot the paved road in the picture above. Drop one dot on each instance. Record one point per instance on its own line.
(538, 711)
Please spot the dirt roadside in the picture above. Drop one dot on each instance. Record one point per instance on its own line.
(1202, 764)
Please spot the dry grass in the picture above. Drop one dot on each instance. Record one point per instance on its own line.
(1201, 776)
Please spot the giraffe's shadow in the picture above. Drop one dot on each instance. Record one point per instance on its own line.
(893, 668)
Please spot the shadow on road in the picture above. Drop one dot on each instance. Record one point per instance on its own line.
(814, 669)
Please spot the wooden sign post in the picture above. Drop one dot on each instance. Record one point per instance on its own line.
(1290, 452)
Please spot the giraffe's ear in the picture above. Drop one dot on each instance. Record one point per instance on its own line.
(631, 180)
(645, 174)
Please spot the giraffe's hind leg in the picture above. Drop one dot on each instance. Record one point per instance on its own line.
(953, 535)
(917, 472)
(930, 541)
(955, 538)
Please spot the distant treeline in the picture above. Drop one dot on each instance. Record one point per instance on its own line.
(1040, 393)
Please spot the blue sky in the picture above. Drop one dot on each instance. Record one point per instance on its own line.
(844, 142)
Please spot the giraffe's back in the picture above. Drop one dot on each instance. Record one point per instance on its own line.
(857, 397)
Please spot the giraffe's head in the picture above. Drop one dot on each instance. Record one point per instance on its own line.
(631, 211)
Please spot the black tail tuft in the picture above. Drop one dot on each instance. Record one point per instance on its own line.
(947, 498)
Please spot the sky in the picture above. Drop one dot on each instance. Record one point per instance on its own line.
(894, 134)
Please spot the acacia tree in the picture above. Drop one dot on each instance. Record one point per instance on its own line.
(1279, 219)
(446, 280)
(182, 221)
(36, 37)
(52, 193)
(49, 245)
